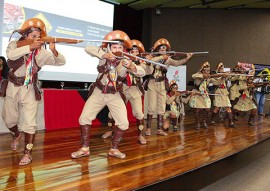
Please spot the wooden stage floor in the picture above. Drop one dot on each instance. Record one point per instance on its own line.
(162, 158)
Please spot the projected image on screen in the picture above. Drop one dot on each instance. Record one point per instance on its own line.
(68, 19)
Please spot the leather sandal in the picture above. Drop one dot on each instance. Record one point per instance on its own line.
(82, 152)
(142, 140)
(27, 159)
(116, 153)
(16, 142)
(107, 135)
(161, 132)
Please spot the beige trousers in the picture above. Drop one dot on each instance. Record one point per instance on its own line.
(21, 106)
(136, 103)
(156, 98)
(97, 101)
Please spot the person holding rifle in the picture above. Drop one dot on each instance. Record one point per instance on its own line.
(201, 101)
(222, 99)
(246, 101)
(133, 90)
(22, 93)
(108, 90)
(174, 104)
(157, 84)
(237, 81)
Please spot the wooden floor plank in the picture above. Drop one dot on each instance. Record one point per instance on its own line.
(162, 158)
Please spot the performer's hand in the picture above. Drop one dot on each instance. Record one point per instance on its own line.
(224, 75)
(206, 75)
(36, 44)
(52, 48)
(148, 57)
(189, 55)
(251, 85)
(177, 94)
(165, 56)
(109, 56)
(126, 63)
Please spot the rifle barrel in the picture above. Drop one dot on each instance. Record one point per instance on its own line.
(149, 61)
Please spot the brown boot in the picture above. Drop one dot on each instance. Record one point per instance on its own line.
(231, 123)
(29, 141)
(160, 126)
(206, 114)
(84, 150)
(174, 123)
(180, 118)
(116, 138)
(140, 127)
(16, 134)
(148, 125)
(235, 115)
(213, 116)
(251, 119)
(197, 117)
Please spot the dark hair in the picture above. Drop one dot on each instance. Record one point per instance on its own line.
(28, 31)
(4, 60)
(5, 67)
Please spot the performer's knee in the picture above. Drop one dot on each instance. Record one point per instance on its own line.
(123, 125)
(84, 120)
(139, 116)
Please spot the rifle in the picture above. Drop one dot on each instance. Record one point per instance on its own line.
(124, 55)
(228, 74)
(198, 93)
(171, 53)
(49, 39)
(259, 84)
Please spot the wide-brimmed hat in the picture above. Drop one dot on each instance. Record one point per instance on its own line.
(117, 35)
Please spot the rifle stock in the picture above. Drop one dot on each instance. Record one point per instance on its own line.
(49, 39)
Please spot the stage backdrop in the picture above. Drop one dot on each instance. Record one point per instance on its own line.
(179, 75)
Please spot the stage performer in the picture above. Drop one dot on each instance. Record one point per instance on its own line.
(201, 101)
(246, 101)
(157, 84)
(133, 92)
(222, 97)
(107, 90)
(234, 90)
(174, 104)
(23, 94)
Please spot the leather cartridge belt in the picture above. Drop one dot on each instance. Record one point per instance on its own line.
(18, 81)
(159, 79)
(109, 89)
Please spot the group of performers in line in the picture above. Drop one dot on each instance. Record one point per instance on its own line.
(120, 71)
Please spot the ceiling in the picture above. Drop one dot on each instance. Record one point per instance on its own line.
(221, 4)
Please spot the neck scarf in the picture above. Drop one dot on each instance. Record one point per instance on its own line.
(29, 67)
